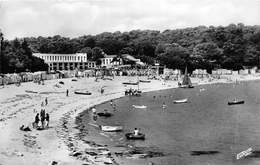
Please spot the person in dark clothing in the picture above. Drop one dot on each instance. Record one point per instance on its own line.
(47, 118)
(37, 119)
(67, 93)
(46, 101)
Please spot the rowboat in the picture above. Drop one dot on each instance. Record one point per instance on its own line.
(145, 81)
(130, 83)
(106, 114)
(111, 128)
(180, 101)
(140, 106)
(29, 91)
(140, 136)
(83, 93)
(236, 102)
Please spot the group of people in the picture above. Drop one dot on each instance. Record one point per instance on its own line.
(44, 118)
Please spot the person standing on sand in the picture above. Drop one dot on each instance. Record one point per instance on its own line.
(37, 119)
(67, 93)
(47, 118)
(46, 101)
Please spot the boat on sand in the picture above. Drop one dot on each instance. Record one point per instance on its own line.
(180, 101)
(83, 93)
(106, 114)
(111, 128)
(30, 91)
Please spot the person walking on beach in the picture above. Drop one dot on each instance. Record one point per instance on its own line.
(67, 93)
(47, 118)
(36, 121)
(46, 101)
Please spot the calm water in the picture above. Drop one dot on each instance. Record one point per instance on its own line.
(205, 123)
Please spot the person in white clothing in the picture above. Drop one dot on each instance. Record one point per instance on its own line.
(136, 132)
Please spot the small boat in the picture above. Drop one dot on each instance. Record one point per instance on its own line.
(111, 128)
(29, 91)
(82, 93)
(180, 101)
(130, 83)
(236, 102)
(140, 106)
(106, 114)
(140, 136)
(145, 81)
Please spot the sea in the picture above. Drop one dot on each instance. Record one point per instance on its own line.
(203, 131)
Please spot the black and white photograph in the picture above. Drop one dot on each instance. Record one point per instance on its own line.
(130, 82)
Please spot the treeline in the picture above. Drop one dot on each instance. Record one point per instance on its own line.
(16, 57)
(228, 47)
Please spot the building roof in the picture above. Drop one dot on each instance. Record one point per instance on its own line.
(53, 54)
(110, 56)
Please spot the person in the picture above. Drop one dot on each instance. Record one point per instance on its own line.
(136, 132)
(67, 93)
(46, 101)
(47, 118)
(36, 121)
(42, 104)
(102, 90)
(235, 100)
(111, 103)
(94, 110)
(164, 106)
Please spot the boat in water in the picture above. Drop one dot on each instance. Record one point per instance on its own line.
(111, 128)
(105, 114)
(236, 102)
(83, 93)
(186, 83)
(180, 101)
(140, 136)
(140, 106)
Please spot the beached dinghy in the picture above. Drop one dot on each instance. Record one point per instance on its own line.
(29, 91)
(140, 136)
(130, 83)
(145, 81)
(82, 93)
(180, 101)
(140, 106)
(236, 102)
(111, 128)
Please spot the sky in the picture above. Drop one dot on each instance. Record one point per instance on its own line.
(91, 17)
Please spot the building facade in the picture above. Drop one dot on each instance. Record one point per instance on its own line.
(106, 61)
(66, 61)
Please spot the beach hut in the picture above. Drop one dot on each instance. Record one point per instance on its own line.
(234, 72)
(30, 76)
(241, 72)
(1, 80)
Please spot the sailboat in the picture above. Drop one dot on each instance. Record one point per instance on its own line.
(186, 83)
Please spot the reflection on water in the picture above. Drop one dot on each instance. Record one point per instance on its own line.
(204, 130)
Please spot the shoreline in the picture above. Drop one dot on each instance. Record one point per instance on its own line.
(51, 145)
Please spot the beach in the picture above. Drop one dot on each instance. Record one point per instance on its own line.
(61, 143)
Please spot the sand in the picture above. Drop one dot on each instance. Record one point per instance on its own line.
(60, 143)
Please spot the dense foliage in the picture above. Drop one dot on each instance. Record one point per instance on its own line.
(202, 47)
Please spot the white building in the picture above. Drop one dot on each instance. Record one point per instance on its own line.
(106, 61)
(66, 61)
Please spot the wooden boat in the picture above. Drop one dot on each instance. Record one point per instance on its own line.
(111, 128)
(135, 137)
(82, 93)
(130, 83)
(22, 95)
(140, 106)
(145, 81)
(106, 114)
(236, 102)
(29, 91)
(180, 101)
